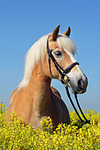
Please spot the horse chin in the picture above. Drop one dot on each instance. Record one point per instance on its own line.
(77, 90)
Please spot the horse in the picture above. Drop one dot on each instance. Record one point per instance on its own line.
(51, 57)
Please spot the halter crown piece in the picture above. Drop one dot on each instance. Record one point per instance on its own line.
(64, 73)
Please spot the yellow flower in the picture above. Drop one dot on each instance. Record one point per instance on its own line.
(14, 135)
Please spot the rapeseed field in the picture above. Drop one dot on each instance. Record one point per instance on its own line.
(76, 136)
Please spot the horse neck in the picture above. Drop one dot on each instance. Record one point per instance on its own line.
(39, 89)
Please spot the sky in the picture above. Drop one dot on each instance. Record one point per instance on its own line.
(23, 22)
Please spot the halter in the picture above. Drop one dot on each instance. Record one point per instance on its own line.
(64, 73)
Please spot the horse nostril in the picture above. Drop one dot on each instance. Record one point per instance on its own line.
(80, 84)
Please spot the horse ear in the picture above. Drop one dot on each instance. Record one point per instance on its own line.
(54, 34)
(67, 33)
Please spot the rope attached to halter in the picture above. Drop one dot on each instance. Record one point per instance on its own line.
(86, 121)
(63, 73)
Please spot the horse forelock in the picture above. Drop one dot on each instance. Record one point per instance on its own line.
(37, 53)
(66, 43)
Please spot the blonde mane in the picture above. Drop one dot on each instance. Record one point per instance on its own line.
(37, 53)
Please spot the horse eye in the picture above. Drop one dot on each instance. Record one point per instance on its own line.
(58, 53)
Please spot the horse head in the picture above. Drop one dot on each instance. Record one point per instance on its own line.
(62, 63)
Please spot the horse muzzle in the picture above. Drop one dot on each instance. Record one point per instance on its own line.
(78, 85)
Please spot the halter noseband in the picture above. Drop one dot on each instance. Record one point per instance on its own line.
(63, 73)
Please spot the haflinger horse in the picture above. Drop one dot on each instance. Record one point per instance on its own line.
(52, 56)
